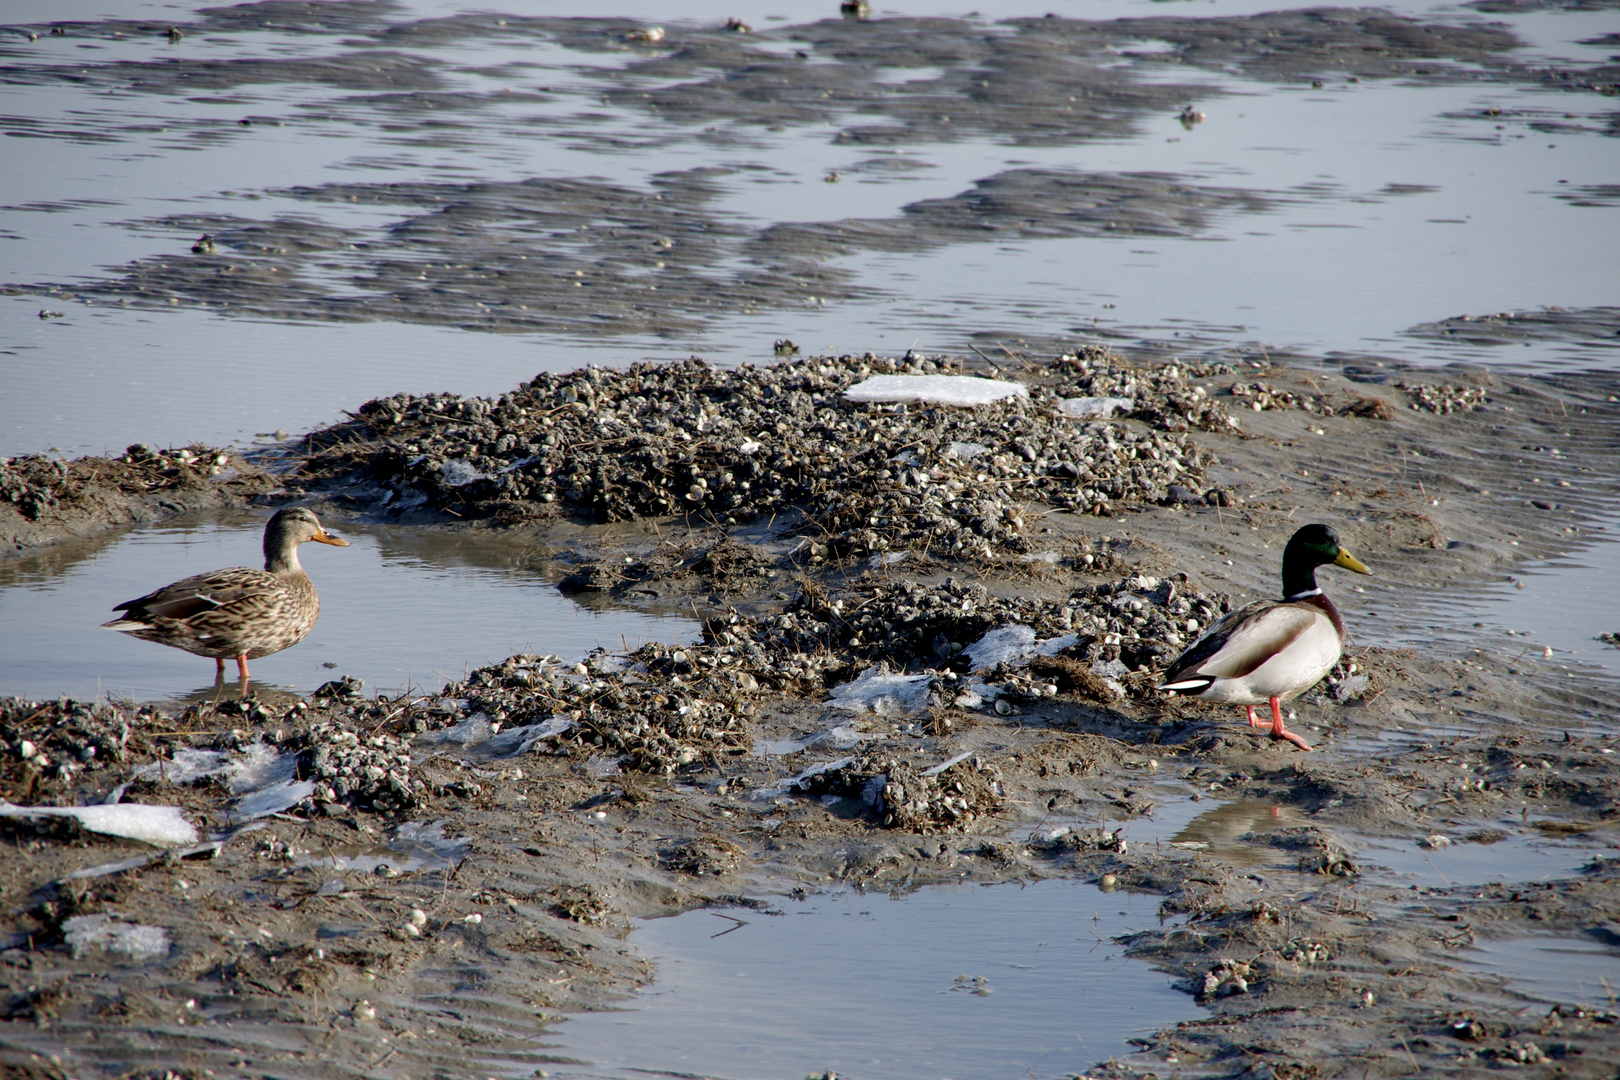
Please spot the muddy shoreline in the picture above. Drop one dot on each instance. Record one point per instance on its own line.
(563, 800)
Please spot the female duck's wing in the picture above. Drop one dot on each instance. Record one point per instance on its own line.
(198, 595)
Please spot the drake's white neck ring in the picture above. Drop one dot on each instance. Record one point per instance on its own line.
(1306, 595)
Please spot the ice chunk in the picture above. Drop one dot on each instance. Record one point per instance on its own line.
(967, 451)
(965, 390)
(86, 932)
(459, 472)
(265, 777)
(1348, 687)
(777, 747)
(1013, 644)
(1003, 644)
(160, 826)
(1094, 408)
(795, 782)
(942, 766)
(476, 729)
(257, 765)
(520, 740)
(185, 767)
(272, 799)
(884, 694)
(1111, 671)
(840, 737)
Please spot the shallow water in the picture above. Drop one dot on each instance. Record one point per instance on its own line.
(1392, 202)
(969, 982)
(1233, 831)
(400, 608)
(1558, 970)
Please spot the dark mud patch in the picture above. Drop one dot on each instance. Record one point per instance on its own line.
(44, 500)
(1595, 327)
(568, 798)
(589, 257)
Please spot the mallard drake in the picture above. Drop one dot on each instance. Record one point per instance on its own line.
(239, 612)
(1272, 650)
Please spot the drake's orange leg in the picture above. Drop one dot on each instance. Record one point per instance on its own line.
(1254, 721)
(1280, 732)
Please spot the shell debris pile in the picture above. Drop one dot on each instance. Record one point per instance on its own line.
(902, 798)
(365, 771)
(1444, 397)
(46, 747)
(665, 709)
(729, 446)
(37, 484)
(1169, 396)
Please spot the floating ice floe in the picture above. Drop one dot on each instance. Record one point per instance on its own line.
(86, 932)
(160, 826)
(1095, 408)
(1013, 644)
(883, 694)
(963, 390)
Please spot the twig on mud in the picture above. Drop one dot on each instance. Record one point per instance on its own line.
(986, 359)
(1437, 872)
(1409, 1055)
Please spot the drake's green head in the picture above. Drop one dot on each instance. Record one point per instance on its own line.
(1310, 547)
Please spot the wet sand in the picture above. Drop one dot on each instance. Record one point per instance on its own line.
(632, 786)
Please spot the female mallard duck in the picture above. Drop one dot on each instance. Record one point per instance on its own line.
(1272, 650)
(240, 612)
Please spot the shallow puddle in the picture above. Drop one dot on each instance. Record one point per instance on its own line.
(970, 982)
(399, 608)
(1563, 604)
(416, 847)
(1514, 858)
(1233, 831)
(1557, 970)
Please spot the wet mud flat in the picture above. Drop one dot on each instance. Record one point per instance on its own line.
(669, 253)
(929, 643)
(46, 499)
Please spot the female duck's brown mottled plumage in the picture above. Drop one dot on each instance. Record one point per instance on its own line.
(240, 612)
